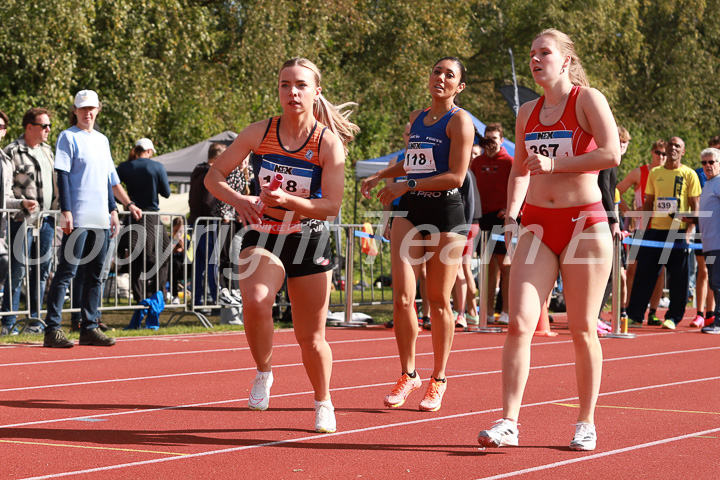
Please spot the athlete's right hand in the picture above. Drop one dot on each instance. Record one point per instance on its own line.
(247, 211)
(392, 191)
(368, 184)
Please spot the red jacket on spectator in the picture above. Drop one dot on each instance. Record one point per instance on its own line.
(492, 174)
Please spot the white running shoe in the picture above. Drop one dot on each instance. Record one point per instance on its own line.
(236, 295)
(227, 299)
(259, 398)
(585, 437)
(502, 434)
(325, 417)
(503, 319)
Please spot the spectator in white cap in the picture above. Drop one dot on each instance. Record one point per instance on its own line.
(86, 179)
(145, 179)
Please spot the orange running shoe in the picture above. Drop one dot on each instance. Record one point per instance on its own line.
(404, 387)
(433, 396)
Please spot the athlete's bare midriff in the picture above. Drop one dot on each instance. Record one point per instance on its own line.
(561, 190)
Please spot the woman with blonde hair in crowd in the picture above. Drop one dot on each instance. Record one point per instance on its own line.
(286, 233)
(563, 139)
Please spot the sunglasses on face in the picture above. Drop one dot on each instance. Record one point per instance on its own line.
(660, 152)
(3, 127)
(707, 162)
(43, 125)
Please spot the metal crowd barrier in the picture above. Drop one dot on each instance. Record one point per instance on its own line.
(125, 255)
(358, 279)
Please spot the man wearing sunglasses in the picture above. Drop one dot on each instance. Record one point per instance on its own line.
(710, 227)
(33, 179)
(671, 194)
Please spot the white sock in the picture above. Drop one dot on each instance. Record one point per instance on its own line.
(327, 403)
(264, 374)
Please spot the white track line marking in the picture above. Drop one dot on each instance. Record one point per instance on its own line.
(598, 455)
(285, 345)
(402, 424)
(245, 369)
(164, 354)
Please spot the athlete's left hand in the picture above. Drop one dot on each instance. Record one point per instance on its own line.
(538, 164)
(615, 230)
(273, 198)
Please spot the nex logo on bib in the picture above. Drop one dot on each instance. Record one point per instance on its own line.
(283, 169)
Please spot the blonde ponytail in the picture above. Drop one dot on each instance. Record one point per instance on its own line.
(335, 117)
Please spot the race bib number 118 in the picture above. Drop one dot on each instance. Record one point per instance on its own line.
(419, 159)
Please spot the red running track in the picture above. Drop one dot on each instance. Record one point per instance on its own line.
(175, 406)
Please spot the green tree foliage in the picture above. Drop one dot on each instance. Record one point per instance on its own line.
(180, 71)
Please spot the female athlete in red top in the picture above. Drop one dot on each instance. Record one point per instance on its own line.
(563, 139)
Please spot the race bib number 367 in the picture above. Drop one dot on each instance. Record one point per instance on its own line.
(419, 158)
(554, 144)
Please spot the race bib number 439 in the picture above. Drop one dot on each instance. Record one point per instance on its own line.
(554, 144)
(666, 205)
(419, 158)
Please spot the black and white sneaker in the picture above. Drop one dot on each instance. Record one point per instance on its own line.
(235, 293)
(503, 433)
(226, 299)
(712, 329)
(585, 437)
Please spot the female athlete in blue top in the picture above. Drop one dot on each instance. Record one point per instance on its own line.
(435, 162)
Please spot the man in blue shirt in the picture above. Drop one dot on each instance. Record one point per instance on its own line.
(145, 179)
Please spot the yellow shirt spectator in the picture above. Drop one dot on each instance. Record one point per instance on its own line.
(671, 189)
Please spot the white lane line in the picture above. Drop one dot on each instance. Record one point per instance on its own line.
(362, 359)
(599, 455)
(163, 354)
(401, 424)
(235, 349)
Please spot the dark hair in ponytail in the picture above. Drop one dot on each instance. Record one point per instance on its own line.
(482, 141)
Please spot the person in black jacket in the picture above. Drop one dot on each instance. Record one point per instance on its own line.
(202, 203)
(145, 179)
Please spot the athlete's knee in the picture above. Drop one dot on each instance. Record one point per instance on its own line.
(403, 300)
(583, 336)
(312, 343)
(521, 326)
(256, 304)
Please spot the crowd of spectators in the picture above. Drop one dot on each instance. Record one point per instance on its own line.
(665, 208)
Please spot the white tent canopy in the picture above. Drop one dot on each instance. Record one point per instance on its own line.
(180, 163)
(365, 168)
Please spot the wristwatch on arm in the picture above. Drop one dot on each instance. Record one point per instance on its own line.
(412, 183)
